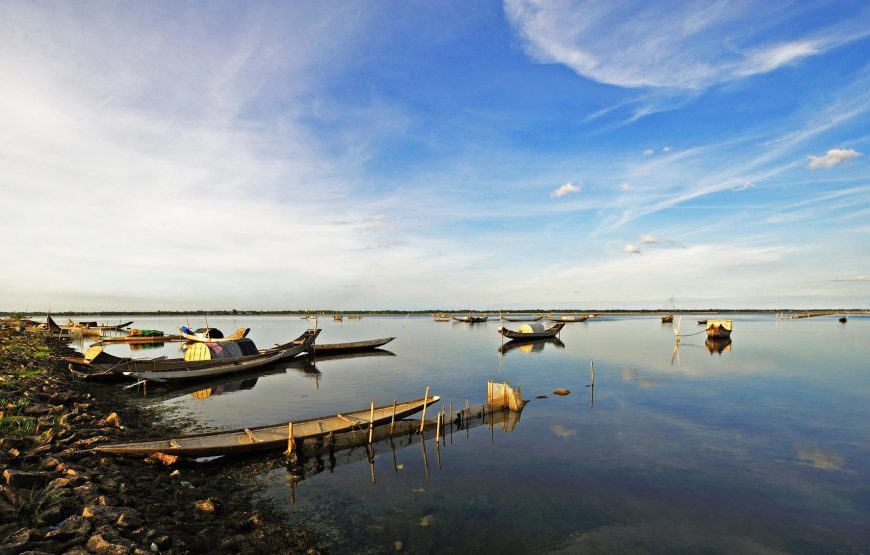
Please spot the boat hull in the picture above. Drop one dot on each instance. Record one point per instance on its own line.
(352, 347)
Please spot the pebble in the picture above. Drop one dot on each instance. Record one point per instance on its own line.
(427, 520)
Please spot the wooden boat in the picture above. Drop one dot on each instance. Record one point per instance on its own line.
(141, 339)
(567, 318)
(521, 318)
(441, 315)
(471, 319)
(532, 331)
(92, 328)
(355, 317)
(268, 438)
(843, 319)
(667, 318)
(212, 335)
(719, 329)
(338, 317)
(442, 319)
(702, 322)
(189, 368)
(354, 346)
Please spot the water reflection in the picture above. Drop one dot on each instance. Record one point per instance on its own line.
(533, 346)
(718, 345)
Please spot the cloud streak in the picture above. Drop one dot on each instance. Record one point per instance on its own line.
(565, 189)
(834, 157)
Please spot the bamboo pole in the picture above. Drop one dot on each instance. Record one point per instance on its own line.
(290, 438)
(393, 419)
(425, 402)
(438, 427)
(371, 422)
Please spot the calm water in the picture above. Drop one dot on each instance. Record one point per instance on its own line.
(762, 447)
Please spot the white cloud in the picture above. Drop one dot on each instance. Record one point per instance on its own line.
(631, 248)
(625, 187)
(685, 45)
(649, 239)
(648, 152)
(565, 189)
(834, 157)
(667, 149)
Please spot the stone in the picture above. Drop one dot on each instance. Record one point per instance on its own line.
(49, 463)
(100, 513)
(72, 527)
(210, 505)
(37, 409)
(52, 515)
(111, 420)
(87, 442)
(59, 483)
(96, 544)
(129, 520)
(26, 479)
(162, 542)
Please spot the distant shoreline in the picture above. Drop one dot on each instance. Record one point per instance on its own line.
(323, 312)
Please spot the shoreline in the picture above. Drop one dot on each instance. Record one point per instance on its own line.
(58, 497)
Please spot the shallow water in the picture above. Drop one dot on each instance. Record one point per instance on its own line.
(763, 446)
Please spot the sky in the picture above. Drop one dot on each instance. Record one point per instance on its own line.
(414, 155)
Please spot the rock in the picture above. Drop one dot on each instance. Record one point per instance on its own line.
(96, 544)
(561, 391)
(111, 420)
(74, 526)
(398, 545)
(51, 515)
(60, 398)
(210, 505)
(129, 520)
(101, 514)
(59, 483)
(90, 441)
(49, 463)
(162, 458)
(26, 479)
(427, 520)
(162, 542)
(36, 409)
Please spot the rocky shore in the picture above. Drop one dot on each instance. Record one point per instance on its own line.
(58, 496)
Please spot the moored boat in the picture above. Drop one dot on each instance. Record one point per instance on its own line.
(521, 318)
(667, 318)
(212, 335)
(532, 331)
(269, 438)
(568, 318)
(843, 319)
(201, 360)
(719, 329)
(351, 347)
(471, 319)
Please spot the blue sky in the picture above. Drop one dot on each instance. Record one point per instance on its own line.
(420, 154)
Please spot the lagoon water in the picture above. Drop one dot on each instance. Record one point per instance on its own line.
(762, 447)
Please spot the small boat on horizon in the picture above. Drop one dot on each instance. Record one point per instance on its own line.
(568, 318)
(667, 318)
(471, 319)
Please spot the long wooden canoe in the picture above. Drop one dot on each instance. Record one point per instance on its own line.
(354, 346)
(141, 339)
(267, 438)
(177, 369)
(532, 335)
(567, 318)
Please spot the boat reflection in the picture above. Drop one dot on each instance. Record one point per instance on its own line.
(534, 346)
(719, 345)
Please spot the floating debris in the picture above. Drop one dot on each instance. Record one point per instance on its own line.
(562, 391)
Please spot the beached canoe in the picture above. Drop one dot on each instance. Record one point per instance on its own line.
(354, 346)
(532, 331)
(268, 438)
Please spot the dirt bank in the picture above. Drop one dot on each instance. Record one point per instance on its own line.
(56, 496)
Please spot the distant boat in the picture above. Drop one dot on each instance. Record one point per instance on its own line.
(667, 318)
(521, 318)
(532, 331)
(719, 329)
(702, 322)
(268, 438)
(92, 328)
(442, 319)
(843, 319)
(355, 317)
(212, 335)
(338, 317)
(354, 346)
(471, 319)
(568, 318)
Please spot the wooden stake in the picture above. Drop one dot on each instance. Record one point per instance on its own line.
(592, 371)
(438, 428)
(372, 423)
(393, 419)
(290, 438)
(425, 402)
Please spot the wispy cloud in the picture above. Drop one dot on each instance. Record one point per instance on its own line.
(834, 157)
(648, 152)
(689, 45)
(565, 189)
(631, 248)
